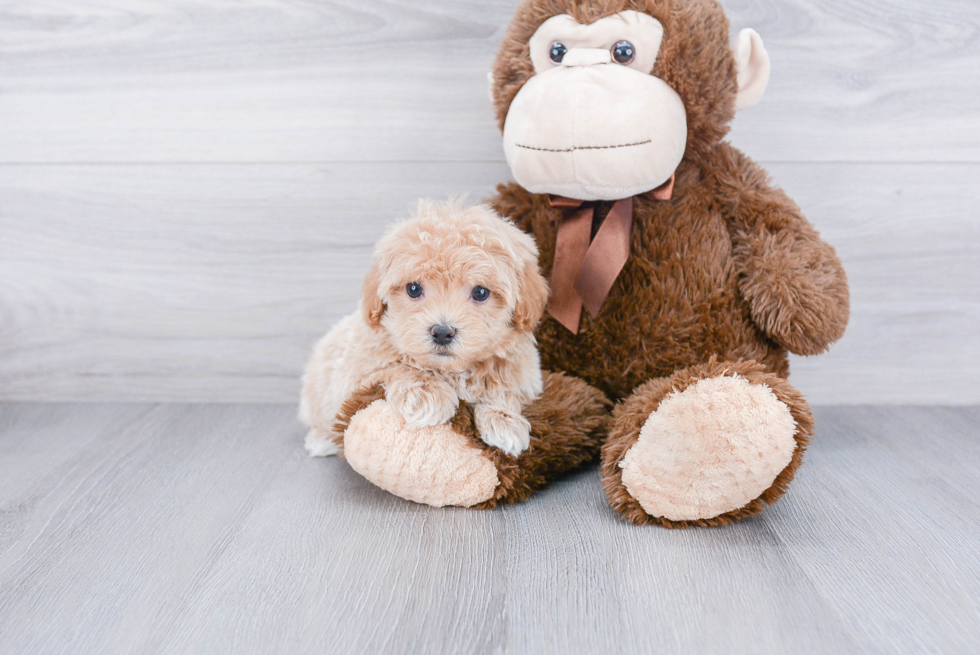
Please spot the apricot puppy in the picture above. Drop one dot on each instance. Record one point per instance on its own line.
(447, 313)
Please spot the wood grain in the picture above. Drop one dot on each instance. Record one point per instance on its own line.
(210, 283)
(189, 190)
(291, 80)
(202, 529)
(902, 482)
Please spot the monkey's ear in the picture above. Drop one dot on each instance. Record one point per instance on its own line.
(372, 306)
(532, 298)
(753, 69)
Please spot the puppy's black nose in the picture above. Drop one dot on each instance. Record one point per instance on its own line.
(442, 334)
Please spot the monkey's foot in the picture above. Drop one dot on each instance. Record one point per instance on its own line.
(450, 464)
(432, 465)
(708, 446)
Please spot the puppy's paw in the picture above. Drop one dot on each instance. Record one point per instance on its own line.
(501, 429)
(320, 444)
(423, 403)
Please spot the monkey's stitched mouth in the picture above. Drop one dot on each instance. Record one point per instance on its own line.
(574, 148)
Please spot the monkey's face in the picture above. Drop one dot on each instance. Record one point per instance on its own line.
(608, 107)
(593, 123)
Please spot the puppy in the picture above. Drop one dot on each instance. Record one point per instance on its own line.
(446, 314)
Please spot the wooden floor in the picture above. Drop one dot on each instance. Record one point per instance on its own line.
(139, 528)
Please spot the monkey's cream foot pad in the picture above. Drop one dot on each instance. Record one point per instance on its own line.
(450, 465)
(436, 466)
(710, 449)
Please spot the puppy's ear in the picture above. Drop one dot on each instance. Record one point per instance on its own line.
(372, 306)
(532, 298)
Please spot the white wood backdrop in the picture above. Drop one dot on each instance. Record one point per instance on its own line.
(189, 189)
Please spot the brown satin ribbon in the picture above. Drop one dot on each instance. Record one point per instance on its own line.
(583, 273)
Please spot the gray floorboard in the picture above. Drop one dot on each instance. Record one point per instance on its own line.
(204, 529)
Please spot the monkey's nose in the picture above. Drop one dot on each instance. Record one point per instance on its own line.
(442, 334)
(586, 57)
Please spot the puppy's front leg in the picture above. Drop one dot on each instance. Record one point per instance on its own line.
(423, 400)
(502, 426)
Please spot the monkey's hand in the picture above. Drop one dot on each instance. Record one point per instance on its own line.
(796, 288)
(422, 400)
(502, 427)
(793, 281)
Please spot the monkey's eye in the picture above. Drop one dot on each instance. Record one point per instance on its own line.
(414, 290)
(480, 294)
(557, 52)
(623, 52)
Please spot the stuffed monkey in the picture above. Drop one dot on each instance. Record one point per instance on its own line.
(680, 275)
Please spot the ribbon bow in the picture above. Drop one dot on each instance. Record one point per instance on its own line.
(585, 269)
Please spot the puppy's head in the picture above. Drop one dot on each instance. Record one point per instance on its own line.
(454, 285)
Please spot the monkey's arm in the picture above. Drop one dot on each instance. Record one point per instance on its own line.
(793, 280)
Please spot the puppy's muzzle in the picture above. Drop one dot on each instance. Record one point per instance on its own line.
(442, 334)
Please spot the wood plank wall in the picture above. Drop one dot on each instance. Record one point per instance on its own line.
(190, 189)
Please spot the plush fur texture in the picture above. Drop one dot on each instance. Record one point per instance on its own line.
(436, 466)
(631, 415)
(490, 362)
(729, 267)
(694, 59)
(725, 277)
(452, 465)
(689, 463)
(558, 137)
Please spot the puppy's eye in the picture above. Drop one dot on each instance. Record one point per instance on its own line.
(414, 290)
(623, 53)
(557, 52)
(480, 294)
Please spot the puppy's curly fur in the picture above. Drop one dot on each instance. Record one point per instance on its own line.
(444, 253)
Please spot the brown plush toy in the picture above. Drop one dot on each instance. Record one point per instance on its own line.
(680, 276)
